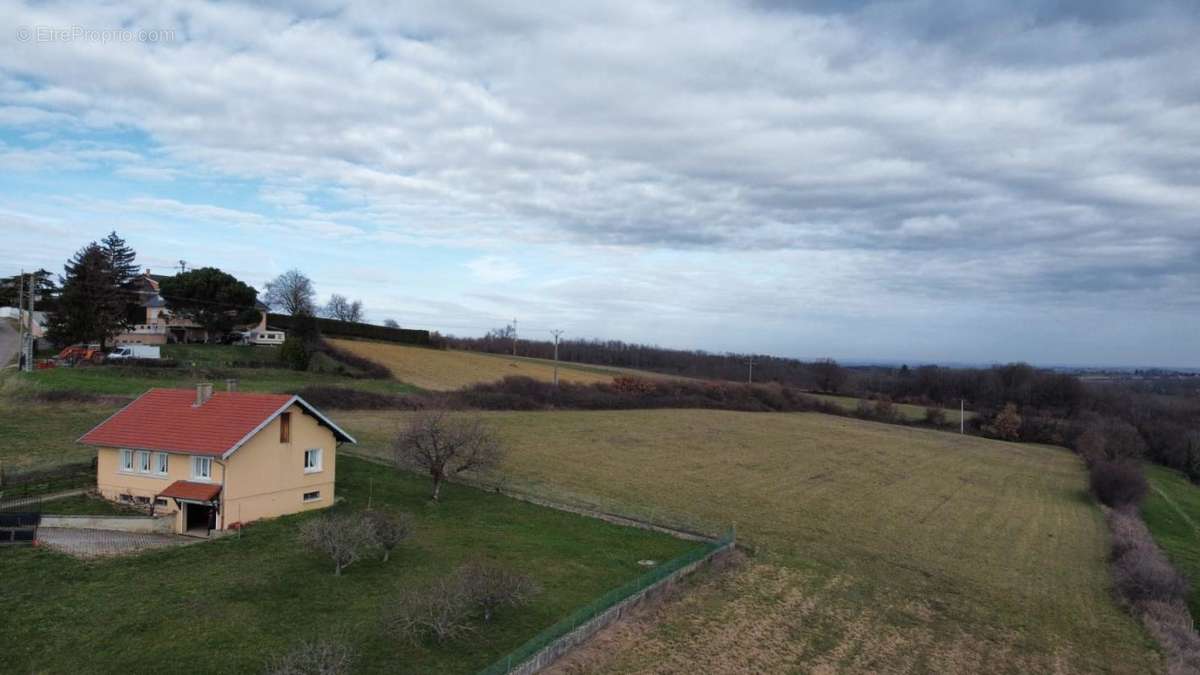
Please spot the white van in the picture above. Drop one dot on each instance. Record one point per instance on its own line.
(135, 352)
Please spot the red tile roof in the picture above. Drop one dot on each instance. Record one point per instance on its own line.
(197, 492)
(168, 419)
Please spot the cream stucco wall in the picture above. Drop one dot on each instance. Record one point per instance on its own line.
(266, 478)
(112, 482)
(262, 479)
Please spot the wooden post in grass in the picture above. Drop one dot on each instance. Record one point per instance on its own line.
(962, 416)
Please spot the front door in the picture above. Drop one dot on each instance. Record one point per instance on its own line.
(197, 519)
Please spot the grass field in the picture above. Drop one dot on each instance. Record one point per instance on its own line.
(226, 606)
(439, 370)
(909, 412)
(881, 548)
(1172, 512)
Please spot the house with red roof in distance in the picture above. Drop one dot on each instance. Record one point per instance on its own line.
(217, 460)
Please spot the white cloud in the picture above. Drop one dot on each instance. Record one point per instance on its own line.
(493, 269)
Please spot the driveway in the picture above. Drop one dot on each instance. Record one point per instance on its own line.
(83, 543)
(8, 342)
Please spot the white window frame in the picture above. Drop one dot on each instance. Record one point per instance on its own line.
(125, 461)
(317, 466)
(143, 461)
(162, 463)
(198, 462)
(306, 498)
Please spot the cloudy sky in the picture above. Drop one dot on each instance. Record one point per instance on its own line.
(959, 181)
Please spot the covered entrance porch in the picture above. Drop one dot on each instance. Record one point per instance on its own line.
(199, 507)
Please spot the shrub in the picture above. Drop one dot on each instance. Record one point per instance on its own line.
(388, 530)
(1007, 423)
(1141, 572)
(935, 416)
(489, 587)
(885, 410)
(440, 611)
(347, 398)
(343, 538)
(351, 329)
(365, 367)
(318, 657)
(294, 353)
(1118, 484)
(1154, 590)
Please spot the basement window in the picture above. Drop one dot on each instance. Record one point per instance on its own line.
(313, 496)
(285, 428)
(160, 501)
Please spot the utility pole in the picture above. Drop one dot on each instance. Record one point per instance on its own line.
(514, 336)
(21, 322)
(182, 266)
(27, 344)
(962, 416)
(750, 376)
(556, 333)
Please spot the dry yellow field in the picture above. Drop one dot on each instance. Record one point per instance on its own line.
(880, 548)
(438, 370)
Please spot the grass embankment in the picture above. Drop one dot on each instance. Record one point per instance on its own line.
(881, 547)
(227, 605)
(1172, 512)
(445, 370)
(87, 505)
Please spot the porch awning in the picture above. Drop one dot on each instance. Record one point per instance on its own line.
(193, 492)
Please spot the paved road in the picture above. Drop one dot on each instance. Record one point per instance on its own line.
(8, 342)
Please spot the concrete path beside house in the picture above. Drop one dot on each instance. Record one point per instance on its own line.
(99, 543)
(8, 342)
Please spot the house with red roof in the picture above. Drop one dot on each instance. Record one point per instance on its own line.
(217, 460)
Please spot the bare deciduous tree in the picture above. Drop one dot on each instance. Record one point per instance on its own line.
(292, 292)
(343, 538)
(444, 444)
(490, 586)
(391, 323)
(344, 309)
(388, 529)
(316, 657)
(441, 611)
(1007, 423)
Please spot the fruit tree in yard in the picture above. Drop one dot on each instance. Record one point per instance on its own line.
(444, 444)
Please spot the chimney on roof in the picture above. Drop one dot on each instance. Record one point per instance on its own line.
(231, 385)
(203, 393)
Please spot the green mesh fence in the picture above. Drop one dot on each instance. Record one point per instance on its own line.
(598, 606)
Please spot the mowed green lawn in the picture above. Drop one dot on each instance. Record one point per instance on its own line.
(226, 606)
(881, 548)
(1172, 512)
